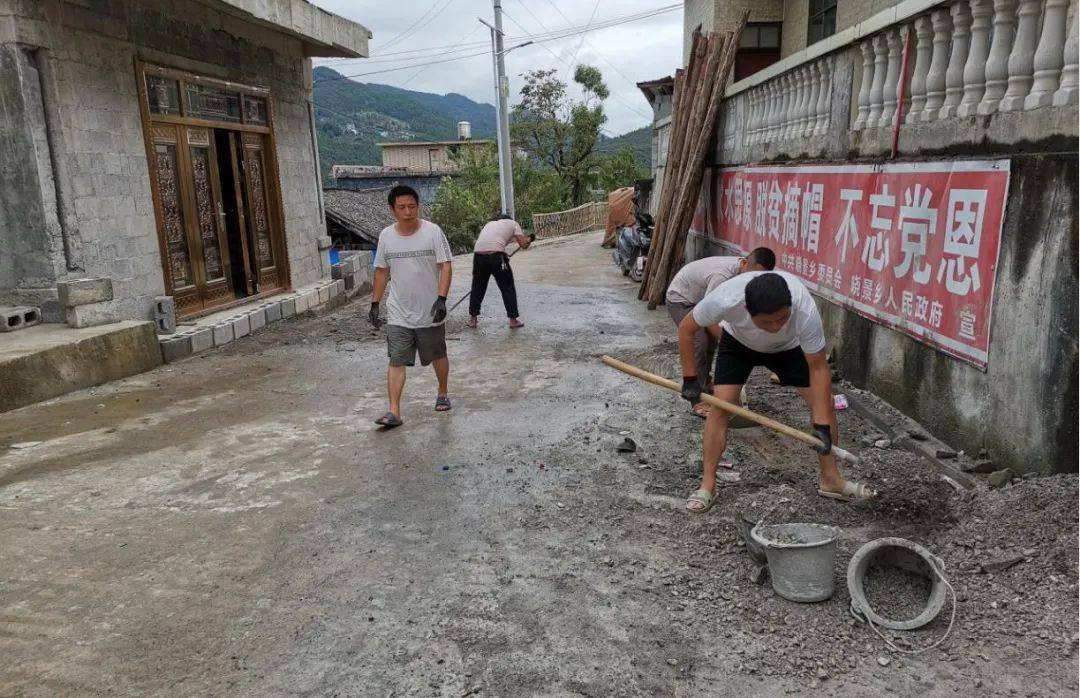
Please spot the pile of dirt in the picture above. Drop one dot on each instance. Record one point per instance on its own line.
(1026, 612)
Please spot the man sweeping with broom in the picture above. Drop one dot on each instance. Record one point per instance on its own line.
(768, 319)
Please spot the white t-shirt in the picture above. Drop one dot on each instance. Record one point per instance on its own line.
(726, 305)
(696, 279)
(496, 235)
(414, 273)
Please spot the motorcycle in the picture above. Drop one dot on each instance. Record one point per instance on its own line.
(632, 247)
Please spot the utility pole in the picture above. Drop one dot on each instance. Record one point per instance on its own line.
(502, 95)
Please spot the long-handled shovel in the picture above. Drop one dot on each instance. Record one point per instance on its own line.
(728, 407)
(532, 236)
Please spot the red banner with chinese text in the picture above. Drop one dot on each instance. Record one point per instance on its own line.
(913, 246)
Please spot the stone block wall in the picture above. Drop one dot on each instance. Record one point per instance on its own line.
(87, 53)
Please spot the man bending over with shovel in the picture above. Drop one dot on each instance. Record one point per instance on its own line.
(767, 319)
(695, 281)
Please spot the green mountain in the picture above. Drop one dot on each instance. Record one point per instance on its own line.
(351, 117)
(639, 141)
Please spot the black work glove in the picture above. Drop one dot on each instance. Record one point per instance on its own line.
(824, 433)
(438, 311)
(691, 389)
(532, 237)
(373, 315)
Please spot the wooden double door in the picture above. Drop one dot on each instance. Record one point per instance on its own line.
(221, 239)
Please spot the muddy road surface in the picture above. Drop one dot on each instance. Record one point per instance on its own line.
(235, 524)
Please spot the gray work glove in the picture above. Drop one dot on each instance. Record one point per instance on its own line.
(438, 311)
(691, 389)
(824, 433)
(373, 315)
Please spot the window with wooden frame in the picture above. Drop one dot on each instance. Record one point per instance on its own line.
(821, 22)
(759, 47)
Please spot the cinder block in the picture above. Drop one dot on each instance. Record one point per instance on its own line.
(257, 319)
(301, 303)
(241, 326)
(288, 307)
(176, 347)
(90, 315)
(18, 317)
(165, 314)
(84, 291)
(202, 339)
(324, 294)
(337, 288)
(273, 311)
(350, 283)
(223, 333)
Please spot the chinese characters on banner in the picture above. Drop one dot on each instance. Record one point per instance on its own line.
(913, 246)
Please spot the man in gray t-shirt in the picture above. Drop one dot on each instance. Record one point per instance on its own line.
(414, 258)
(696, 280)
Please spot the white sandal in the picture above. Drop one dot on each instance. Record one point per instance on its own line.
(703, 497)
(851, 492)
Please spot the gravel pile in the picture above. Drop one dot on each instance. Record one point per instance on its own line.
(896, 593)
(710, 587)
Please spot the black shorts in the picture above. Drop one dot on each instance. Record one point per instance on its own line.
(735, 360)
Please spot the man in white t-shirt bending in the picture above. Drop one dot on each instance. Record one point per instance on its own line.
(768, 318)
(414, 256)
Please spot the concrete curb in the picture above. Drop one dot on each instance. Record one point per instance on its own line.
(900, 437)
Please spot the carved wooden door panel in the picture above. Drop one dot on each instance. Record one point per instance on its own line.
(211, 247)
(264, 229)
(187, 201)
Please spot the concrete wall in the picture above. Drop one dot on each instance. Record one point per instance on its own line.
(724, 15)
(87, 51)
(1023, 409)
(423, 157)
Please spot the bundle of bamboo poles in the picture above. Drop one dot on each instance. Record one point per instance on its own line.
(699, 90)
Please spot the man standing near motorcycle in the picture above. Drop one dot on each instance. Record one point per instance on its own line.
(490, 259)
(693, 282)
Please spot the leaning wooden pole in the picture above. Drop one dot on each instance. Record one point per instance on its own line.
(699, 112)
(686, 82)
(692, 177)
(692, 125)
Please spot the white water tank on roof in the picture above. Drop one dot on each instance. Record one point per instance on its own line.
(464, 130)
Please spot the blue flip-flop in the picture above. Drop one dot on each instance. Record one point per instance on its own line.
(442, 403)
(389, 420)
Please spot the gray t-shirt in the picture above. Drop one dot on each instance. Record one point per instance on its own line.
(726, 305)
(696, 279)
(414, 273)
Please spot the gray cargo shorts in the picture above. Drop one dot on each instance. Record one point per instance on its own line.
(404, 343)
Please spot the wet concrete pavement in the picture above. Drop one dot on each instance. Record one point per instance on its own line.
(235, 523)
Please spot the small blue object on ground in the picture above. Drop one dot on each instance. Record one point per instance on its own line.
(446, 467)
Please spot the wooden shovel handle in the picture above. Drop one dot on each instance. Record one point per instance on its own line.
(764, 421)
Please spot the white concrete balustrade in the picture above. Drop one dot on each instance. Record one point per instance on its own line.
(966, 58)
(795, 104)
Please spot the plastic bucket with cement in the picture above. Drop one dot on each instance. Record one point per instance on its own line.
(905, 555)
(801, 558)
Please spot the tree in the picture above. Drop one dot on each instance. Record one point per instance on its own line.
(618, 169)
(558, 132)
(469, 198)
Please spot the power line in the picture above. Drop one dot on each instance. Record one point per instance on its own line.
(414, 75)
(563, 61)
(633, 108)
(538, 37)
(397, 37)
(573, 60)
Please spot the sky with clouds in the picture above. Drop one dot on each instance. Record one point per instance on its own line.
(645, 49)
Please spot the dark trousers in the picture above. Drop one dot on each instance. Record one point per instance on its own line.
(495, 264)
